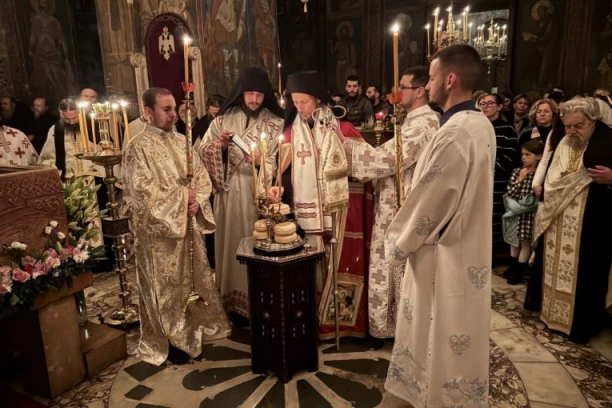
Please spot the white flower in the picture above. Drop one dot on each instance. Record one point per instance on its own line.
(18, 245)
(53, 224)
(48, 230)
(82, 257)
(61, 235)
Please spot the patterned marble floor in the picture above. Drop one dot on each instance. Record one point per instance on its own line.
(529, 367)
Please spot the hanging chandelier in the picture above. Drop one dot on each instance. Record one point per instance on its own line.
(492, 48)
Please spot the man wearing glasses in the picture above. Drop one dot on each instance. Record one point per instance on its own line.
(367, 163)
(506, 157)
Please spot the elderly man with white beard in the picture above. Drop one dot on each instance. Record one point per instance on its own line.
(572, 264)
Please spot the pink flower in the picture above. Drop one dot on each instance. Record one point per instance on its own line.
(27, 263)
(5, 270)
(20, 275)
(6, 283)
(40, 268)
(76, 251)
(66, 252)
(52, 258)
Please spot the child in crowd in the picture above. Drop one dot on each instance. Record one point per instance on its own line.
(521, 206)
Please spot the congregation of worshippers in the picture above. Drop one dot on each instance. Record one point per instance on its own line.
(515, 181)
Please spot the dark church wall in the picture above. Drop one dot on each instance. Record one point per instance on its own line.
(538, 42)
(543, 52)
(43, 31)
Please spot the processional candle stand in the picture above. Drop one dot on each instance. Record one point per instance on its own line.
(107, 153)
(188, 87)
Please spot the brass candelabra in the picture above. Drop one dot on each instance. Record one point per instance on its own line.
(108, 154)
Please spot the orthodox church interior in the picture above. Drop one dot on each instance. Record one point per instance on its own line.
(74, 342)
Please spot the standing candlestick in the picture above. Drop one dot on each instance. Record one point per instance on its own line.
(395, 29)
(262, 159)
(115, 106)
(281, 137)
(186, 42)
(126, 129)
(253, 147)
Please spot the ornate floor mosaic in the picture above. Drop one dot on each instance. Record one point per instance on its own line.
(529, 367)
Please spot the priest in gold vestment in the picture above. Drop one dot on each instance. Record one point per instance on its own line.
(159, 203)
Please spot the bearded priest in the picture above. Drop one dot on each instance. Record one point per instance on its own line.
(250, 111)
(315, 182)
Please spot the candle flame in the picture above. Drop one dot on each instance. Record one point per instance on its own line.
(123, 104)
(450, 9)
(92, 114)
(279, 65)
(470, 25)
(281, 138)
(253, 146)
(505, 26)
(82, 105)
(115, 106)
(395, 28)
(427, 27)
(263, 135)
(187, 40)
(437, 11)
(467, 9)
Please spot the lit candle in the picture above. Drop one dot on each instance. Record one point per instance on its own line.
(439, 36)
(436, 12)
(93, 129)
(281, 137)
(186, 42)
(280, 83)
(126, 129)
(115, 106)
(262, 159)
(395, 29)
(428, 42)
(253, 147)
(504, 32)
(470, 32)
(82, 127)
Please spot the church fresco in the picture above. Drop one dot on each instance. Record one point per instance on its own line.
(599, 66)
(48, 47)
(538, 39)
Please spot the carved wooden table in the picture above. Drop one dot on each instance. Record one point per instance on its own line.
(282, 300)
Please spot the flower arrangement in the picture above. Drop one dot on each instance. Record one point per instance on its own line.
(26, 273)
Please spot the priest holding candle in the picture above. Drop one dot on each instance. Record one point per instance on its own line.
(250, 109)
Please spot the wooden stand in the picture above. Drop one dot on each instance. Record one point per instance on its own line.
(46, 343)
(282, 292)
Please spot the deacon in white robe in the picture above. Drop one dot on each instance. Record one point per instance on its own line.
(441, 353)
(367, 163)
(159, 202)
(250, 111)
(15, 147)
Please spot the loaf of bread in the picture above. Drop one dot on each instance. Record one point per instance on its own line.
(285, 239)
(260, 235)
(260, 225)
(281, 208)
(284, 228)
